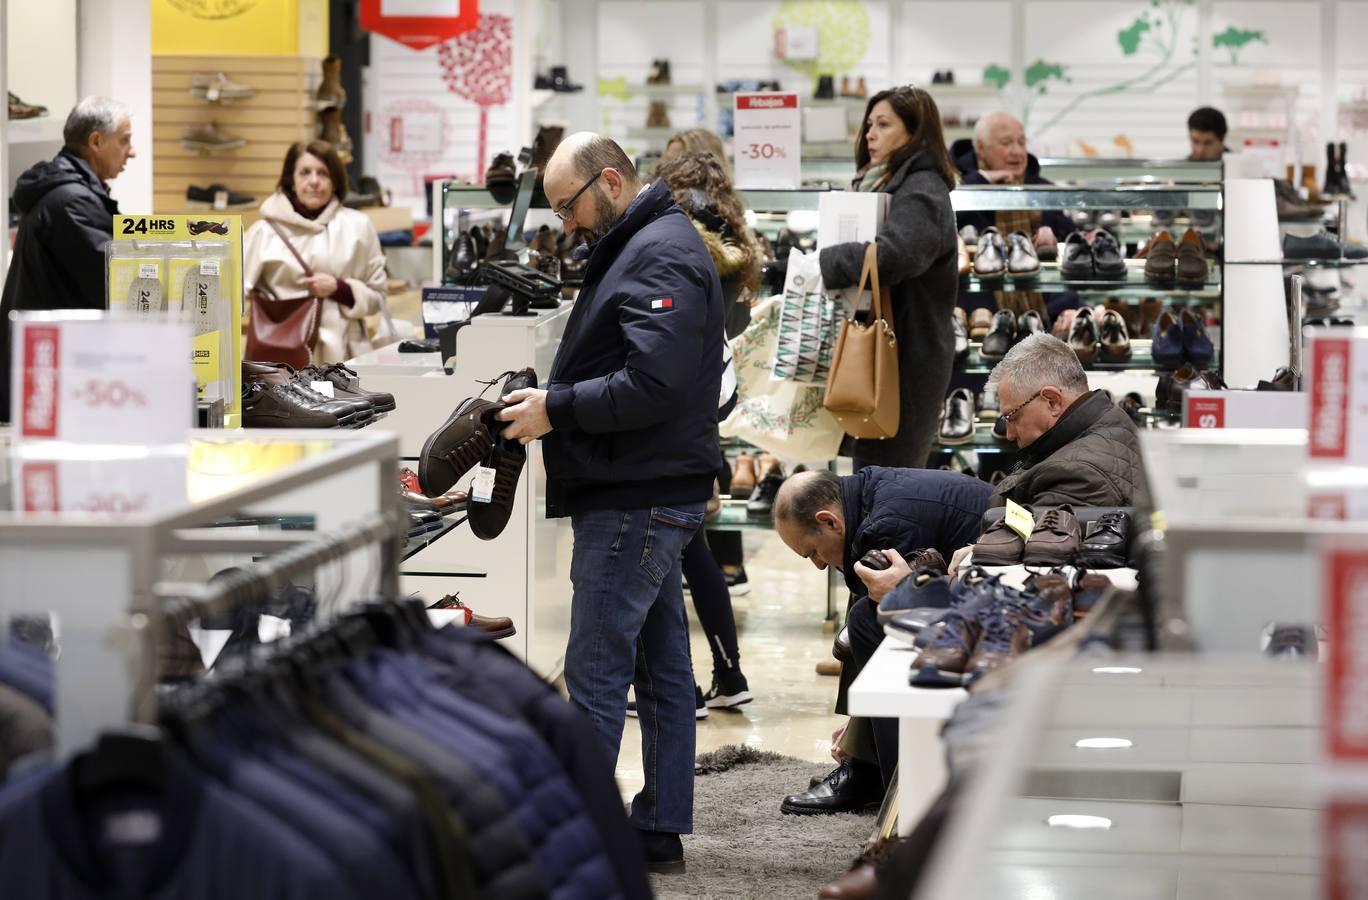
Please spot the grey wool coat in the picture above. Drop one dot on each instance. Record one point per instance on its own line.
(917, 265)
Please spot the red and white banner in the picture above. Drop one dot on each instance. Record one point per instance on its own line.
(767, 140)
(1346, 621)
(1331, 379)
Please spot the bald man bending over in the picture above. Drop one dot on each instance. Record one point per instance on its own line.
(628, 423)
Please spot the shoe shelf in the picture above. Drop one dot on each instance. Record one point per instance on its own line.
(734, 517)
(994, 197)
(652, 134)
(1134, 285)
(419, 542)
(981, 442)
(1098, 172)
(666, 90)
(1322, 263)
(1141, 361)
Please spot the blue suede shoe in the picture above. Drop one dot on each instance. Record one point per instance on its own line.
(1167, 341)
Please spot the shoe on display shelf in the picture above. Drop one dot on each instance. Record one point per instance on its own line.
(1085, 339)
(1192, 264)
(924, 589)
(1001, 336)
(959, 324)
(1321, 245)
(761, 502)
(1166, 341)
(487, 518)
(1108, 262)
(957, 418)
(1197, 346)
(729, 690)
(216, 196)
(853, 786)
(1290, 641)
(217, 87)
(273, 406)
(330, 93)
(350, 411)
(18, 109)
(998, 546)
(1054, 540)
(1046, 244)
(969, 234)
(1115, 342)
(658, 114)
(1161, 259)
(743, 476)
(347, 385)
(1284, 379)
(1107, 542)
(495, 626)
(206, 138)
(1003, 638)
(990, 261)
(1028, 323)
(1022, 261)
(659, 73)
(1075, 258)
(980, 323)
(944, 660)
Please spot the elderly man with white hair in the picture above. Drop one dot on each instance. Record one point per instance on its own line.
(68, 217)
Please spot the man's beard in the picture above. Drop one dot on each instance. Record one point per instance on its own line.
(605, 219)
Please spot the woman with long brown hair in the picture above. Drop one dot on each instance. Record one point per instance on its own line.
(901, 151)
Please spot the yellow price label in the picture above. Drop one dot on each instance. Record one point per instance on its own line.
(1019, 519)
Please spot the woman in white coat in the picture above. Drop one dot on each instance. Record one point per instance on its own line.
(339, 245)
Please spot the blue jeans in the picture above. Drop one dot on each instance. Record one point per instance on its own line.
(627, 628)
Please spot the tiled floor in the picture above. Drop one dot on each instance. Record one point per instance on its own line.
(782, 639)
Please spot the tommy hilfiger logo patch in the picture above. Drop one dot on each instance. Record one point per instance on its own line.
(663, 303)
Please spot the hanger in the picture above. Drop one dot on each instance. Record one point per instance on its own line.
(135, 757)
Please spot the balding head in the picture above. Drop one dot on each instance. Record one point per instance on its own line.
(810, 519)
(1000, 143)
(582, 158)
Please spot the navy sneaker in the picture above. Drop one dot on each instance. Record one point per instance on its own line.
(946, 657)
(910, 625)
(923, 588)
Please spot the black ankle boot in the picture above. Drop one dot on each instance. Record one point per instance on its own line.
(664, 852)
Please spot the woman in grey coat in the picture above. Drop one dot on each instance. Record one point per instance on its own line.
(901, 152)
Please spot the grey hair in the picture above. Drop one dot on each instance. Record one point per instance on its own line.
(983, 128)
(1041, 360)
(802, 497)
(89, 116)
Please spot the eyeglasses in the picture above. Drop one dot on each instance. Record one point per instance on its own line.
(565, 212)
(1009, 416)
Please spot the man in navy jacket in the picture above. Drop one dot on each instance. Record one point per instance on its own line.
(629, 426)
(833, 521)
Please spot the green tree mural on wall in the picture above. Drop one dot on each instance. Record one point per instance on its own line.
(1154, 33)
(842, 34)
(996, 75)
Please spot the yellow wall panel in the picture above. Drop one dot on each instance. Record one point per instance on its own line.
(236, 27)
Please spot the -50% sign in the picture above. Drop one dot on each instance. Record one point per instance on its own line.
(114, 394)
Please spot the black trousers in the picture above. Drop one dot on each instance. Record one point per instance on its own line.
(712, 602)
(865, 636)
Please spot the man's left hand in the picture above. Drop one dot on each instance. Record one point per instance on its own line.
(526, 415)
(882, 581)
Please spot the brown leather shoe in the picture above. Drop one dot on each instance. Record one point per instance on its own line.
(495, 626)
(452, 501)
(1056, 596)
(457, 447)
(998, 546)
(829, 667)
(1084, 338)
(1161, 259)
(1116, 345)
(1002, 639)
(949, 652)
(980, 320)
(743, 475)
(1192, 264)
(928, 560)
(1150, 309)
(857, 884)
(1055, 540)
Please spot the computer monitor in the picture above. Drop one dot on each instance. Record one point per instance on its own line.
(517, 217)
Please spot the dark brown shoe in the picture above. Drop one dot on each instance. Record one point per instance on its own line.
(1056, 596)
(1161, 259)
(860, 883)
(1192, 264)
(944, 660)
(349, 410)
(494, 626)
(1084, 337)
(456, 447)
(928, 560)
(1116, 345)
(277, 406)
(1055, 540)
(998, 546)
(347, 384)
(487, 520)
(452, 501)
(1002, 639)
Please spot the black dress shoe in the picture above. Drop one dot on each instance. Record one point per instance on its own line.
(347, 385)
(852, 786)
(1076, 258)
(507, 457)
(1000, 336)
(1105, 546)
(1108, 262)
(664, 852)
(464, 263)
(1029, 323)
(761, 502)
(957, 419)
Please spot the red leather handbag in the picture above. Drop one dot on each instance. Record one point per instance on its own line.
(283, 331)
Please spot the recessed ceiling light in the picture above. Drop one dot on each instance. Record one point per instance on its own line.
(1117, 670)
(1103, 743)
(1084, 822)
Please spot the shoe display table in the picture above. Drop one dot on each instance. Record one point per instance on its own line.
(525, 573)
(882, 691)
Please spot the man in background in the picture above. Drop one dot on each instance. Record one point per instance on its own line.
(1206, 134)
(68, 217)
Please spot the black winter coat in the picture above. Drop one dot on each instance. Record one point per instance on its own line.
(59, 261)
(1091, 457)
(917, 263)
(634, 386)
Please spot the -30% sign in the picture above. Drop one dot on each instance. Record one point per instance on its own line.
(764, 151)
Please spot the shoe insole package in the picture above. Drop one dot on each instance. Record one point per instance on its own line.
(137, 283)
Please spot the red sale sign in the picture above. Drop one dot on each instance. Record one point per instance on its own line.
(1205, 412)
(419, 23)
(38, 381)
(1330, 381)
(1346, 695)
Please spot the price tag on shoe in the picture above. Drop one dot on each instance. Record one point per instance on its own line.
(482, 488)
(1019, 519)
(323, 387)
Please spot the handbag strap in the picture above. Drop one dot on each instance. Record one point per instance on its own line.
(869, 275)
(308, 272)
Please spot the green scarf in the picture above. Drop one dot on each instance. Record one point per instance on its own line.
(873, 178)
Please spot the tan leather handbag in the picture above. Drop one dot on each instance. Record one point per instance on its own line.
(862, 392)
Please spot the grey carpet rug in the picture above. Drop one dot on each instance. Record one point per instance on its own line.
(743, 847)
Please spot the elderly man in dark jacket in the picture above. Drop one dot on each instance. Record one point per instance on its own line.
(629, 418)
(1078, 447)
(834, 522)
(67, 218)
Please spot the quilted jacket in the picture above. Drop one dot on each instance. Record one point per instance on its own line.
(1091, 457)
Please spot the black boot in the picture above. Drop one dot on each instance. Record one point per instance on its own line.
(463, 261)
(1343, 174)
(853, 786)
(664, 852)
(1331, 172)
